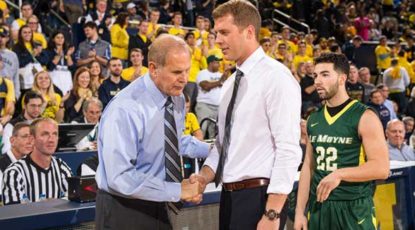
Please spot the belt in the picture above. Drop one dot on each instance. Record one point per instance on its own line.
(245, 184)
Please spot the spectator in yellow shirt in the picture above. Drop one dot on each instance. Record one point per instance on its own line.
(137, 69)
(33, 23)
(177, 24)
(201, 35)
(120, 37)
(266, 45)
(285, 34)
(153, 25)
(383, 54)
(198, 63)
(301, 56)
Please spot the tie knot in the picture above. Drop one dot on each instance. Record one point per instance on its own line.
(239, 73)
(168, 102)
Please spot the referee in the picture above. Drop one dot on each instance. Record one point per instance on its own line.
(38, 176)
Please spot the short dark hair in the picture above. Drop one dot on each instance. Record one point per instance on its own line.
(91, 25)
(340, 62)
(18, 126)
(188, 34)
(26, 4)
(114, 59)
(375, 91)
(29, 95)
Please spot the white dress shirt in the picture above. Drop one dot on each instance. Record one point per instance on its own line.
(265, 135)
(211, 97)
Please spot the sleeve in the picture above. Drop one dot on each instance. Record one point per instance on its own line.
(10, 96)
(66, 172)
(102, 95)
(405, 77)
(116, 154)
(194, 123)
(47, 59)
(13, 190)
(192, 147)
(7, 133)
(213, 159)
(284, 118)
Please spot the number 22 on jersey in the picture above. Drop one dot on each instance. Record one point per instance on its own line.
(326, 158)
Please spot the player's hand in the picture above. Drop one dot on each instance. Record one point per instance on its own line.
(300, 222)
(266, 224)
(326, 185)
(202, 183)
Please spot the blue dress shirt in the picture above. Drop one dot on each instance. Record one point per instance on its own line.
(131, 144)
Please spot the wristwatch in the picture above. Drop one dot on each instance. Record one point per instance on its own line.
(272, 214)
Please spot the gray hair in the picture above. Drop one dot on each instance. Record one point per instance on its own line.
(92, 100)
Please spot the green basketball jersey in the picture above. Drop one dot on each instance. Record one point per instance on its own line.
(336, 144)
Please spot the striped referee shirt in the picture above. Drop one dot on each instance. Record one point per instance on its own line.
(25, 181)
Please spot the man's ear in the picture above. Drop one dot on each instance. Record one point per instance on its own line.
(152, 68)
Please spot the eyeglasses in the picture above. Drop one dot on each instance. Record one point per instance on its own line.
(33, 23)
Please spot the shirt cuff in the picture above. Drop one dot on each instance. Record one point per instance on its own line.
(174, 191)
(282, 180)
(213, 159)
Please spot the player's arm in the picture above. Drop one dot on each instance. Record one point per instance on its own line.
(377, 161)
(374, 144)
(304, 188)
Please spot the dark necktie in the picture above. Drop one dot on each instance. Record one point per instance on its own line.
(171, 148)
(228, 126)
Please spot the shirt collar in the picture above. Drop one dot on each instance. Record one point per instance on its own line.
(251, 61)
(11, 156)
(158, 97)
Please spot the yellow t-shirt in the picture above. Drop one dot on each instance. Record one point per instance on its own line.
(191, 124)
(204, 35)
(40, 38)
(298, 59)
(152, 28)
(127, 74)
(198, 63)
(383, 57)
(29, 47)
(405, 64)
(291, 47)
(119, 42)
(176, 31)
(9, 95)
(264, 32)
(20, 22)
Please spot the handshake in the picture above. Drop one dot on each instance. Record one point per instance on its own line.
(193, 188)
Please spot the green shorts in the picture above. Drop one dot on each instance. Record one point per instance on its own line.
(353, 214)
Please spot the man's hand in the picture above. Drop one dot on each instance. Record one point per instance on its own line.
(190, 190)
(202, 182)
(300, 222)
(6, 118)
(92, 53)
(326, 185)
(266, 224)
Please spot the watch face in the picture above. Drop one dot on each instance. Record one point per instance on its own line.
(272, 214)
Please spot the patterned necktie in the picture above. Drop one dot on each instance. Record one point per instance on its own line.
(172, 158)
(228, 126)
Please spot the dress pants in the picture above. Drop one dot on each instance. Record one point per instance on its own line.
(114, 212)
(243, 209)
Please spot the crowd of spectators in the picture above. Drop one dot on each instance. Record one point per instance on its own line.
(68, 67)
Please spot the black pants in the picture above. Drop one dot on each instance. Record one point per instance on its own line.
(243, 209)
(114, 212)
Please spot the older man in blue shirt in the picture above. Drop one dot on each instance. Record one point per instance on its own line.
(140, 175)
(398, 150)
